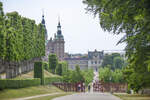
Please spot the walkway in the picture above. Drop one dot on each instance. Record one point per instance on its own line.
(42, 95)
(89, 96)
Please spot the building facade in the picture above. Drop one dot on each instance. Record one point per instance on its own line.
(82, 62)
(95, 59)
(92, 61)
(55, 45)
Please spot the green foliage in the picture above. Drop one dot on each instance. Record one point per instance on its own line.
(132, 18)
(45, 65)
(77, 75)
(59, 69)
(20, 38)
(39, 71)
(118, 62)
(67, 76)
(2, 34)
(114, 60)
(64, 67)
(53, 62)
(74, 76)
(88, 76)
(50, 80)
(108, 75)
(105, 74)
(18, 83)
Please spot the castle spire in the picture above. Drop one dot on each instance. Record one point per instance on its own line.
(43, 23)
(59, 27)
(43, 20)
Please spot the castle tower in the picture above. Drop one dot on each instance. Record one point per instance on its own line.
(59, 43)
(43, 23)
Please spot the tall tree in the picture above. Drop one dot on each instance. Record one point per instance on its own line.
(59, 69)
(53, 62)
(132, 18)
(20, 38)
(2, 33)
(118, 63)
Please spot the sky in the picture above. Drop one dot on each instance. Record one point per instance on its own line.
(81, 30)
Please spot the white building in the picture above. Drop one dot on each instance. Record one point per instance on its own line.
(93, 60)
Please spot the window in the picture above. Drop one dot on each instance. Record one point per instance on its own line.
(95, 62)
(99, 62)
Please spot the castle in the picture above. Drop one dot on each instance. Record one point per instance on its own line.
(56, 46)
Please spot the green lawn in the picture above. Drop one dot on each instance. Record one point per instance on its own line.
(31, 74)
(25, 92)
(133, 96)
(51, 97)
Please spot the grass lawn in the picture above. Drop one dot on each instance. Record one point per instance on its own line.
(26, 92)
(31, 74)
(133, 96)
(51, 97)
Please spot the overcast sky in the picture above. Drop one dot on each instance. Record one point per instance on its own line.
(81, 31)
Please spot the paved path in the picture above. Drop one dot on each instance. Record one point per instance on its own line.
(42, 95)
(89, 96)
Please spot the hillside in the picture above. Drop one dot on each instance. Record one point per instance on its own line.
(31, 74)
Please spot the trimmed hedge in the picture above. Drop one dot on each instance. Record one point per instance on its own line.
(46, 66)
(39, 71)
(50, 80)
(18, 83)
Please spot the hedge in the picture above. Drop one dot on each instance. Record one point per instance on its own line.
(46, 66)
(50, 80)
(18, 83)
(39, 71)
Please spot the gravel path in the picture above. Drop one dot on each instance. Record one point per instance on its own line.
(89, 96)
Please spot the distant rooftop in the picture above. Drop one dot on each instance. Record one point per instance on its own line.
(76, 58)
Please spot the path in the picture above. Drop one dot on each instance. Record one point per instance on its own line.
(89, 95)
(96, 78)
(42, 95)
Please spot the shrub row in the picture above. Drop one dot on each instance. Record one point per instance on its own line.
(50, 80)
(18, 83)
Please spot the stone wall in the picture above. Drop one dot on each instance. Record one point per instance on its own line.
(13, 69)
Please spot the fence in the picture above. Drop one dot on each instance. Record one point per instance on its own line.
(110, 87)
(70, 87)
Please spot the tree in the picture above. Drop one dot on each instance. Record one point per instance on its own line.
(67, 77)
(107, 60)
(59, 69)
(118, 62)
(114, 61)
(2, 33)
(53, 62)
(20, 37)
(108, 75)
(88, 75)
(132, 18)
(64, 67)
(105, 74)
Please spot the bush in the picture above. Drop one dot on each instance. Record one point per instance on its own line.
(45, 65)
(49, 80)
(18, 83)
(59, 69)
(39, 71)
